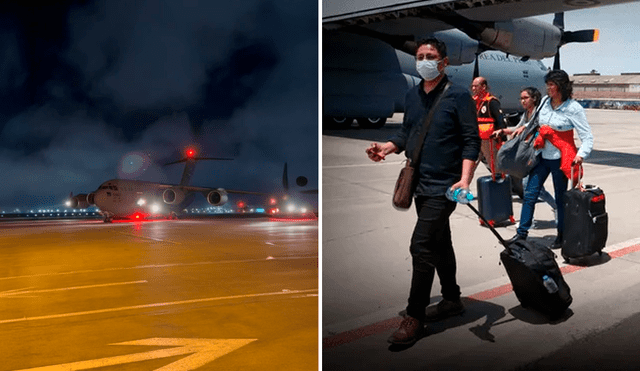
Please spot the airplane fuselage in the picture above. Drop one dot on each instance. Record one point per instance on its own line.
(119, 198)
(366, 77)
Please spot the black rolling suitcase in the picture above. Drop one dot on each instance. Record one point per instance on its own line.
(585, 222)
(494, 197)
(528, 266)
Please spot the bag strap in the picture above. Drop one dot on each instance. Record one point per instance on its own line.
(425, 127)
(534, 119)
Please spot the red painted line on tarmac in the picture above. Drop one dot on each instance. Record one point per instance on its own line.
(624, 251)
(392, 323)
(493, 293)
(359, 333)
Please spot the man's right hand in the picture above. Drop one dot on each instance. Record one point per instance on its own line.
(377, 152)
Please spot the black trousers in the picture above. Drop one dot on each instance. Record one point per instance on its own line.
(432, 251)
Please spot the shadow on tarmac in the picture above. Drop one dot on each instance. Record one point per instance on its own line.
(477, 309)
(611, 158)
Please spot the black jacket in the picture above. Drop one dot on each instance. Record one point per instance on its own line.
(452, 137)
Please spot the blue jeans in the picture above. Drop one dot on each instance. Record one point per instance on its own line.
(537, 177)
(544, 195)
(432, 251)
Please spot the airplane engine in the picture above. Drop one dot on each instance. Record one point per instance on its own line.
(523, 37)
(173, 196)
(79, 201)
(460, 48)
(91, 199)
(217, 197)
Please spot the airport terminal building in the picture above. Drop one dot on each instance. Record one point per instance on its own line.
(593, 90)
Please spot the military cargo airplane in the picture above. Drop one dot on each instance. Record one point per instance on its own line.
(368, 49)
(138, 200)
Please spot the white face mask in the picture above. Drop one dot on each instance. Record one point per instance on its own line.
(428, 70)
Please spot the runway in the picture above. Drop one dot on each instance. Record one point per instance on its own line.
(186, 294)
(367, 265)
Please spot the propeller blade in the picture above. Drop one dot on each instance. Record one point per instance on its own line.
(556, 60)
(582, 36)
(476, 68)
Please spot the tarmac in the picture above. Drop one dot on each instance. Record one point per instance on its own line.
(366, 269)
(205, 294)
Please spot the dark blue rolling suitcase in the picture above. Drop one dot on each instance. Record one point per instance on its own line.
(528, 266)
(494, 196)
(494, 200)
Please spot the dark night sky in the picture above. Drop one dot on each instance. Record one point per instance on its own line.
(90, 87)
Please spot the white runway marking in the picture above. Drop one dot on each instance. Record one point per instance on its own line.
(154, 305)
(157, 266)
(149, 238)
(29, 291)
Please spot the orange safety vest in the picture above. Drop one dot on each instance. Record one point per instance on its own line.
(485, 121)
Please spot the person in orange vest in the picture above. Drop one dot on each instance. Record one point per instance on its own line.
(490, 118)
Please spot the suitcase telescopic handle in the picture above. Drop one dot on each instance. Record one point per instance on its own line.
(577, 184)
(502, 241)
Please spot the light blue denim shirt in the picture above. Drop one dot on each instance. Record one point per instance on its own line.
(570, 115)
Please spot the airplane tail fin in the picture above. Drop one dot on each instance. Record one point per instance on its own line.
(285, 179)
(190, 163)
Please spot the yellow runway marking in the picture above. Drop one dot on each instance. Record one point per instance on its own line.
(154, 305)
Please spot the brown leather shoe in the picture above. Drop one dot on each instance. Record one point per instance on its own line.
(409, 332)
(444, 309)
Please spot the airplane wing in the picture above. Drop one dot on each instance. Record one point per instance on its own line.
(497, 24)
(372, 11)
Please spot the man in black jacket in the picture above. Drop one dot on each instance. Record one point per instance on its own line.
(447, 159)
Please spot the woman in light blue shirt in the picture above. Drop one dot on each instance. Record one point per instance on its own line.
(561, 113)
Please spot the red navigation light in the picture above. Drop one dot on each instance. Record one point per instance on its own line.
(191, 153)
(272, 201)
(241, 205)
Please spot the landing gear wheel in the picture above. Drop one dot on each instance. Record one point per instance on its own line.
(330, 122)
(371, 122)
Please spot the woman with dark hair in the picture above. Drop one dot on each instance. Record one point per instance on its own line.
(559, 115)
(530, 98)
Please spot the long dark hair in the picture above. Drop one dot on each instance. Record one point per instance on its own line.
(561, 79)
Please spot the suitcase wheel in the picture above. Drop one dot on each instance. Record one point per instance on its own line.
(512, 219)
(481, 222)
(492, 223)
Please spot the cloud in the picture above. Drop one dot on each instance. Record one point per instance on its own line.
(121, 79)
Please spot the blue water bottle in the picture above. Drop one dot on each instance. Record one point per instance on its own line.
(550, 284)
(459, 195)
